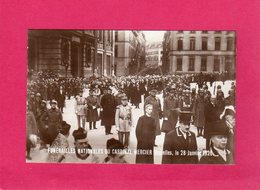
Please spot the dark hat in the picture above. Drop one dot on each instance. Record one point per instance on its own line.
(153, 89)
(65, 128)
(171, 89)
(218, 87)
(80, 90)
(79, 134)
(114, 144)
(185, 116)
(217, 128)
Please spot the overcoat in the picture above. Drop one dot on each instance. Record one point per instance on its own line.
(178, 150)
(108, 103)
(145, 134)
(157, 111)
(215, 158)
(92, 105)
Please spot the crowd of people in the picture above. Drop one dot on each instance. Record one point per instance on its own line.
(112, 100)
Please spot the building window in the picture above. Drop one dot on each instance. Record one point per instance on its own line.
(191, 63)
(180, 31)
(108, 35)
(204, 43)
(216, 64)
(192, 31)
(108, 65)
(217, 43)
(116, 50)
(204, 31)
(218, 32)
(228, 63)
(116, 36)
(192, 44)
(179, 64)
(100, 35)
(230, 46)
(180, 44)
(203, 64)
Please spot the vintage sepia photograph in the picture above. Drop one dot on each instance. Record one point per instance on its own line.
(131, 96)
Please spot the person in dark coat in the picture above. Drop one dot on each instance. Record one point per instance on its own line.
(210, 116)
(220, 101)
(92, 105)
(157, 111)
(229, 117)
(145, 134)
(60, 97)
(31, 129)
(108, 104)
(52, 120)
(180, 146)
(199, 111)
(218, 153)
(170, 111)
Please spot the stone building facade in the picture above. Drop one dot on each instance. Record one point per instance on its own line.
(199, 51)
(70, 53)
(129, 52)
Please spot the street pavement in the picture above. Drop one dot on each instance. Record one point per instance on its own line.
(97, 138)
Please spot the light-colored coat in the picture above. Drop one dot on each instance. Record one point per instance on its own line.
(124, 118)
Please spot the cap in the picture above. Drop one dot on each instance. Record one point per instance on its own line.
(201, 90)
(43, 101)
(38, 94)
(185, 116)
(229, 110)
(53, 102)
(217, 128)
(79, 134)
(114, 144)
(65, 128)
(153, 89)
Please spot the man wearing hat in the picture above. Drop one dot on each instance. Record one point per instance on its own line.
(170, 111)
(80, 109)
(229, 117)
(115, 151)
(180, 146)
(218, 153)
(83, 150)
(185, 101)
(108, 104)
(124, 121)
(157, 111)
(92, 105)
(42, 130)
(52, 120)
(199, 112)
